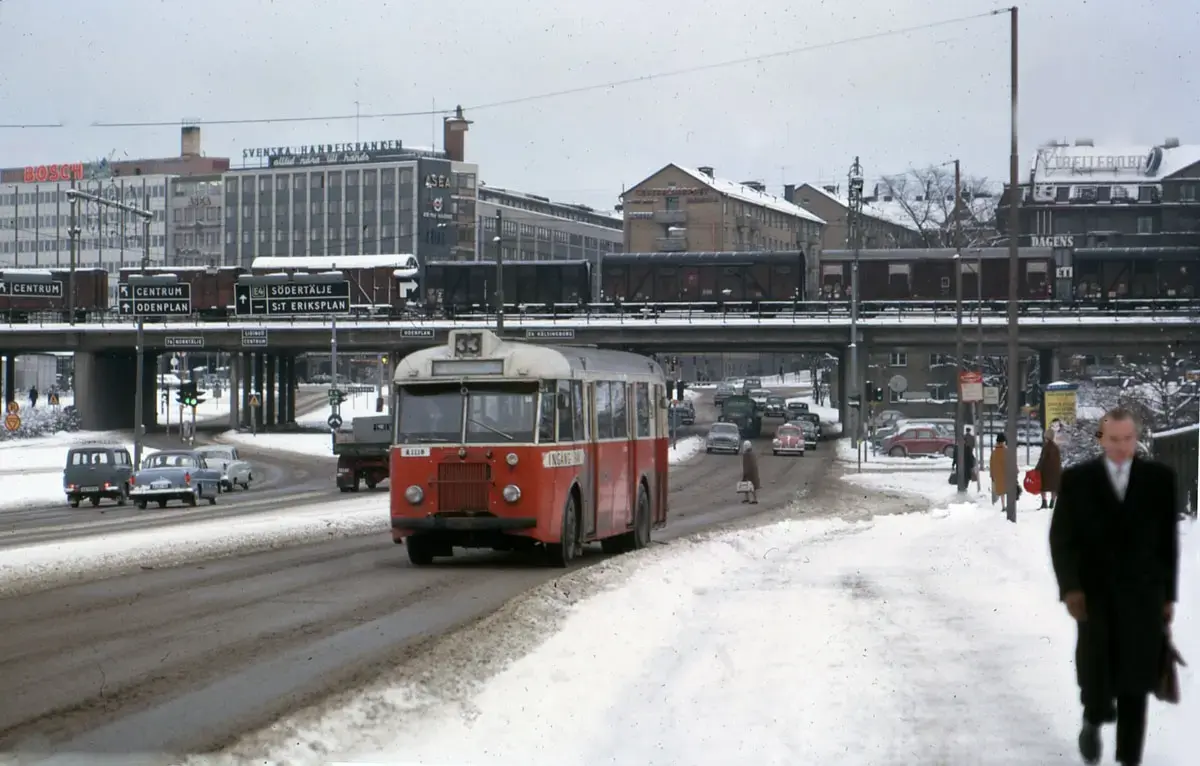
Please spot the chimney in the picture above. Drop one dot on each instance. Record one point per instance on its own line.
(1171, 143)
(454, 135)
(757, 186)
(189, 141)
(706, 170)
(1084, 142)
(789, 192)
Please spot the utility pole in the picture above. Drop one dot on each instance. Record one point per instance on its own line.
(979, 367)
(74, 196)
(499, 240)
(960, 368)
(73, 237)
(1014, 266)
(854, 219)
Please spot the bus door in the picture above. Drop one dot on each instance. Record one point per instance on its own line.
(597, 397)
(575, 426)
(623, 455)
(642, 453)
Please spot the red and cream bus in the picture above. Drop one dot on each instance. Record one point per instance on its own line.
(509, 445)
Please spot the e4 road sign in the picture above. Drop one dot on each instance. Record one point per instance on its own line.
(292, 299)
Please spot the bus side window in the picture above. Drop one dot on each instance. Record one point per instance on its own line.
(566, 416)
(580, 414)
(660, 413)
(603, 412)
(643, 410)
(547, 410)
(620, 411)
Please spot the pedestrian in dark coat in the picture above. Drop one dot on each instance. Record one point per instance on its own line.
(750, 471)
(1049, 465)
(1114, 543)
(33, 396)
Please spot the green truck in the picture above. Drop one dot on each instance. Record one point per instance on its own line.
(742, 411)
(363, 452)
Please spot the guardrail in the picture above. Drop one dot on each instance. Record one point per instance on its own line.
(830, 310)
(1180, 449)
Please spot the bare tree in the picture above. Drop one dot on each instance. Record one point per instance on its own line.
(925, 197)
(1158, 389)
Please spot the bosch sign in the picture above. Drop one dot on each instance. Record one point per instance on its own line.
(51, 173)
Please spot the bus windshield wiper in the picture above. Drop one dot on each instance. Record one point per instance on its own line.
(496, 431)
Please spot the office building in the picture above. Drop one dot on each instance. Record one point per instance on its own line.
(347, 199)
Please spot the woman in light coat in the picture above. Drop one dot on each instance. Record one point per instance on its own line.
(996, 469)
(750, 472)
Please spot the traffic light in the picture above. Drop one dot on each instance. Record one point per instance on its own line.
(198, 398)
(189, 395)
(878, 393)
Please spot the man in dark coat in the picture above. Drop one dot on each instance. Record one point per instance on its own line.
(1114, 543)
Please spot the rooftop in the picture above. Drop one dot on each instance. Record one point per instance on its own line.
(1085, 163)
(484, 190)
(888, 211)
(751, 196)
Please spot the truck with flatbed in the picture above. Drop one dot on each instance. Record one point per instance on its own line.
(363, 452)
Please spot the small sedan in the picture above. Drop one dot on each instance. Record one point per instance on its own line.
(723, 437)
(789, 440)
(175, 475)
(776, 407)
(234, 470)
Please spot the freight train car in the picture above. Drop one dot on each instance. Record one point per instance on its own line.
(921, 274)
(212, 286)
(658, 278)
(465, 286)
(379, 284)
(21, 301)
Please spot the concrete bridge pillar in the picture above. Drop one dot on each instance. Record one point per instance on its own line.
(10, 378)
(260, 385)
(246, 369)
(270, 371)
(235, 390)
(290, 385)
(103, 395)
(1049, 368)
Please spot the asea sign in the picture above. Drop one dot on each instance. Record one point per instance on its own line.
(51, 173)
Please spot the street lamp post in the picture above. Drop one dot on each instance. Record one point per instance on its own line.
(1014, 264)
(960, 363)
(854, 208)
(499, 240)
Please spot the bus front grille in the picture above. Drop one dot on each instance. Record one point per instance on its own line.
(463, 486)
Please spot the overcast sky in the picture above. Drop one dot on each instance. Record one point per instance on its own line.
(1112, 70)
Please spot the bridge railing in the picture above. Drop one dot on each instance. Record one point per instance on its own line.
(832, 311)
(1180, 449)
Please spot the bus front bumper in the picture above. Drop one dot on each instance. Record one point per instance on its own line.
(460, 524)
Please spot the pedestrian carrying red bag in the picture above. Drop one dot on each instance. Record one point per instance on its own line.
(1033, 482)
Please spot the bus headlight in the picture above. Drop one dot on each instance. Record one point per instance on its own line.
(512, 493)
(511, 458)
(414, 495)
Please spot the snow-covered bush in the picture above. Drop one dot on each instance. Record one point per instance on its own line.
(43, 421)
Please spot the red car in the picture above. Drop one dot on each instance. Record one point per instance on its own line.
(789, 440)
(918, 440)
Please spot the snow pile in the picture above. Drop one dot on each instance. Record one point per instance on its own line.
(685, 449)
(318, 445)
(47, 565)
(932, 638)
(43, 420)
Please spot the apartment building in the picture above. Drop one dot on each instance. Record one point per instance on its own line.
(884, 223)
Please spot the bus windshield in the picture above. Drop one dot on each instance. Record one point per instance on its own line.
(495, 413)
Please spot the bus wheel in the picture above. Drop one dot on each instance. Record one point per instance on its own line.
(420, 552)
(640, 536)
(563, 553)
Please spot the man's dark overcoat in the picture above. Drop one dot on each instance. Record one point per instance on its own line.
(1124, 556)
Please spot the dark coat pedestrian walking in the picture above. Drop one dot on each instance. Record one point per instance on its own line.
(1114, 544)
(750, 471)
(33, 396)
(1049, 465)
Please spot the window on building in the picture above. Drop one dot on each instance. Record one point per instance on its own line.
(898, 359)
(1187, 192)
(1145, 224)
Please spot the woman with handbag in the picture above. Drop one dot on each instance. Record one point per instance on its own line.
(1049, 468)
(749, 474)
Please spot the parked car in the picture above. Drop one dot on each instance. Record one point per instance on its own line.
(789, 440)
(918, 440)
(234, 470)
(723, 392)
(776, 407)
(182, 475)
(723, 437)
(98, 471)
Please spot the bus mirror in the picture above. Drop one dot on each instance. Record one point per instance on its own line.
(564, 400)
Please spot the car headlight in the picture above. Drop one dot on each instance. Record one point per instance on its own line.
(511, 493)
(414, 495)
(775, 443)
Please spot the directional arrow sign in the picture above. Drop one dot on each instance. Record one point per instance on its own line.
(334, 421)
(154, 300)
(292, 299)
(18, 288)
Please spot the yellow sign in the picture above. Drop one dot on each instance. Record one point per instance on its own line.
(13, 408)
(1060, 403)
(12, 422)
(253, 400)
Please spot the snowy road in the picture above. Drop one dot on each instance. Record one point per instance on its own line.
(192, 656)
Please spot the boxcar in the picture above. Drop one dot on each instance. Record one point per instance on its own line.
(212, 286)
(91, 294)
(703, 277)
(379, 284)
(459, 286)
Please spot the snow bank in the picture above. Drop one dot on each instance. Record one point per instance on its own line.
(355, 406)
(31, 469)
(320, 445)
(47, 565)
(685, 449)
(918, 639)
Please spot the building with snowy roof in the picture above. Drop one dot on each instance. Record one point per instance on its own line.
(885, 223)
(682, 209)
(1124, 221)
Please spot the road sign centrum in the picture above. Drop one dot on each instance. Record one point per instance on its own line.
(154, 300)
(254, 338)
(16, 288)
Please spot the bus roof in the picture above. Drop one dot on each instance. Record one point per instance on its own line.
(519, 359)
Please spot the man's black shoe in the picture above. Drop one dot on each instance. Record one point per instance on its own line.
(1089, 743)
